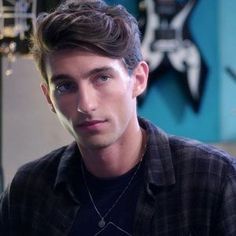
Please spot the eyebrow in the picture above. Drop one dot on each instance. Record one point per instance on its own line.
(94, 71)
(97, 71)
(56, 78)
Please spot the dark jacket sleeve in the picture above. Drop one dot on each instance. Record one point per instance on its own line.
(5, 218)
(226, 209)
(11, 205)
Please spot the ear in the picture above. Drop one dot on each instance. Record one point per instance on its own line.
(45, 90)
(140, 75)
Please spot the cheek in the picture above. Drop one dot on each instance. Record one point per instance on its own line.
(120, 92)
(121, 103)
(64, 105)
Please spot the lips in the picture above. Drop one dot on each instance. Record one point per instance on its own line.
(91, 124)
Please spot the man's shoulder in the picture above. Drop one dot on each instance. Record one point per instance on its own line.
(49, 160)
(183, 150)
(183, 145)
(201, 154)
(42, 169)
(189, 154)
(187, 145)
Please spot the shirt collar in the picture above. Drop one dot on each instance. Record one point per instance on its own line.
(160, 170)
(68, 165)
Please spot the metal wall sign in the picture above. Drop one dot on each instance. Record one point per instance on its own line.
(167, 45)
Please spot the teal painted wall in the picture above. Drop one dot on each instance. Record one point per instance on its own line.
(211, 28)
(227, 36)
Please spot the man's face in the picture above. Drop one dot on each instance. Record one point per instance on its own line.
(93, 96)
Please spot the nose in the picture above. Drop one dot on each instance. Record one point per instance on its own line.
(86, 101)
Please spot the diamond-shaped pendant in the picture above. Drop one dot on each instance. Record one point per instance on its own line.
(101, 223)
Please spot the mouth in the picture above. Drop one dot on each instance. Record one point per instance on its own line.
(91, 124)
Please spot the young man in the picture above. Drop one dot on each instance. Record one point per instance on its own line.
(122, 175)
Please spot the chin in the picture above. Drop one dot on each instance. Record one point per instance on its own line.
(94, 143)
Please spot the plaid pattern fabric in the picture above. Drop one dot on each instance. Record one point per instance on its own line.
(190, 189)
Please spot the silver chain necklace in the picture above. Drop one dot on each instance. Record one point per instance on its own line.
(102, 221)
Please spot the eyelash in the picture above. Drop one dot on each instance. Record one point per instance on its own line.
(71, 86)
(102, 77)
(60, 88)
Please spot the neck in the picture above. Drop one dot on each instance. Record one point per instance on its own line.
(116, 159)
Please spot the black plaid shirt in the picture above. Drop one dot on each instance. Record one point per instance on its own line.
(190, 189)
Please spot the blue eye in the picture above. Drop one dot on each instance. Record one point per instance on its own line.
(103, 79)
(65, 87)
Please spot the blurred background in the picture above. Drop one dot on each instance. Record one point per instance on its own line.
(189, 46)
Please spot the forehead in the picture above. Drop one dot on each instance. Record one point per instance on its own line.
(76, 62)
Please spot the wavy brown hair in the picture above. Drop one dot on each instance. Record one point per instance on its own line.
(92, 26)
